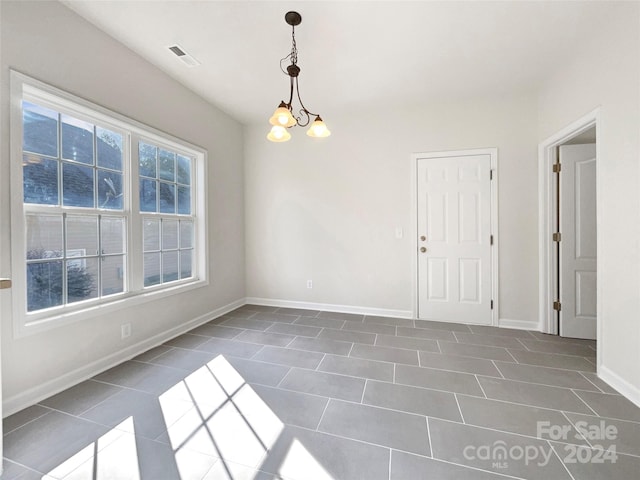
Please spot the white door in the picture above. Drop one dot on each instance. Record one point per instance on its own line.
(454, 229)
(578, 278)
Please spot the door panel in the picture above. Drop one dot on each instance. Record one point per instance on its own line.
(437, 212)
(578, 277)
(454, 217)
(438, 284)
(469, 276)
(468, 217)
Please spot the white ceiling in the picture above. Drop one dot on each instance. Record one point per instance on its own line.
(354, 55)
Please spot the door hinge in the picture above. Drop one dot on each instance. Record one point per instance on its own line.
(557, 167)
(557, 306)
(557, 237)
(491, 304)
(490, 174)
(491, 240)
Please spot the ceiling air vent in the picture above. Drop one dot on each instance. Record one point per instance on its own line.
(184, 56)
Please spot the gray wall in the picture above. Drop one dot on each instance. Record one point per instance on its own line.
(51, 43)
(327, 210)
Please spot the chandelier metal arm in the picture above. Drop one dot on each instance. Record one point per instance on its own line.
(304, 110)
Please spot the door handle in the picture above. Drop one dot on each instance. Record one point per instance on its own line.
(5, 283)
(423, 249)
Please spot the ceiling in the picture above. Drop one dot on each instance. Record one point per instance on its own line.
(354, 55)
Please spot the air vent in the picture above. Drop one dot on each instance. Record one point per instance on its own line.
(184, 56)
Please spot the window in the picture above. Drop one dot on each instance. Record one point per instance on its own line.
(111, 210)
(165, 188)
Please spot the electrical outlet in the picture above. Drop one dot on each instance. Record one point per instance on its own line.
(125, 330)
(309, 283)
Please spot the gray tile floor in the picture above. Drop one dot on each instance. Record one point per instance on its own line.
(265, 393)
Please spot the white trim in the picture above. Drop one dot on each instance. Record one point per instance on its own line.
(33, 395)
(493, 154)
(631, 392)
(28, 323)
(518, 324)
(382, 312)
(546, 218)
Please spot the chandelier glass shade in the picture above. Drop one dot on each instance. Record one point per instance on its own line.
(283, 117)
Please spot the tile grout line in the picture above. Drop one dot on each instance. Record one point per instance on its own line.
(561, 462)
(49, 410)
(434, 458)
(394, 372)
(323, 412)
(429, 437)
(352, 345)
(79, 415)
(320, 363)
(480, 385)
(456, 337)
(477, 469)
(363, 390)
(564, 414)
(537, 383)
(283, 378)
(523, 344)
(498, 369)
(30, 469)
(492, 429)
(256, 352)
(589, 380)
(455, 395)
(512, 356)
(583, 401)
(292, 340)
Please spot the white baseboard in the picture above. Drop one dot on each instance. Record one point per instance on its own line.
(519, 324)
(34, 395)
(621, 385)
(382, 312)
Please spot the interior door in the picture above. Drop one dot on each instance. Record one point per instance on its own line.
(454, 231)
(578, 275)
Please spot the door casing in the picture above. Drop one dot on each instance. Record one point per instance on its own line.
(493, 153)
(547, 216)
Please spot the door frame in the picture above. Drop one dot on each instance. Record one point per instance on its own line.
(493, 155)
(547, 192)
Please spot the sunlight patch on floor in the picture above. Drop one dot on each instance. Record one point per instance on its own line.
(218, 428)
(114, 455)
(299, 464)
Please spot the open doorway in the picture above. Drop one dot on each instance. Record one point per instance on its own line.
(568, 180)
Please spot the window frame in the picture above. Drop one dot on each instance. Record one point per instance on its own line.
(26, 323)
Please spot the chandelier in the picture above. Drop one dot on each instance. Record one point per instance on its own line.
(283, 117)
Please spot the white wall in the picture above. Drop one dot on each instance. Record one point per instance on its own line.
(327, 209)
(606, 74)
(51, 43)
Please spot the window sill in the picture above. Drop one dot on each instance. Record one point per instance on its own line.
(55, 320)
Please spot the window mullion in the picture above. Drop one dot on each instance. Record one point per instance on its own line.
(135, 241)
